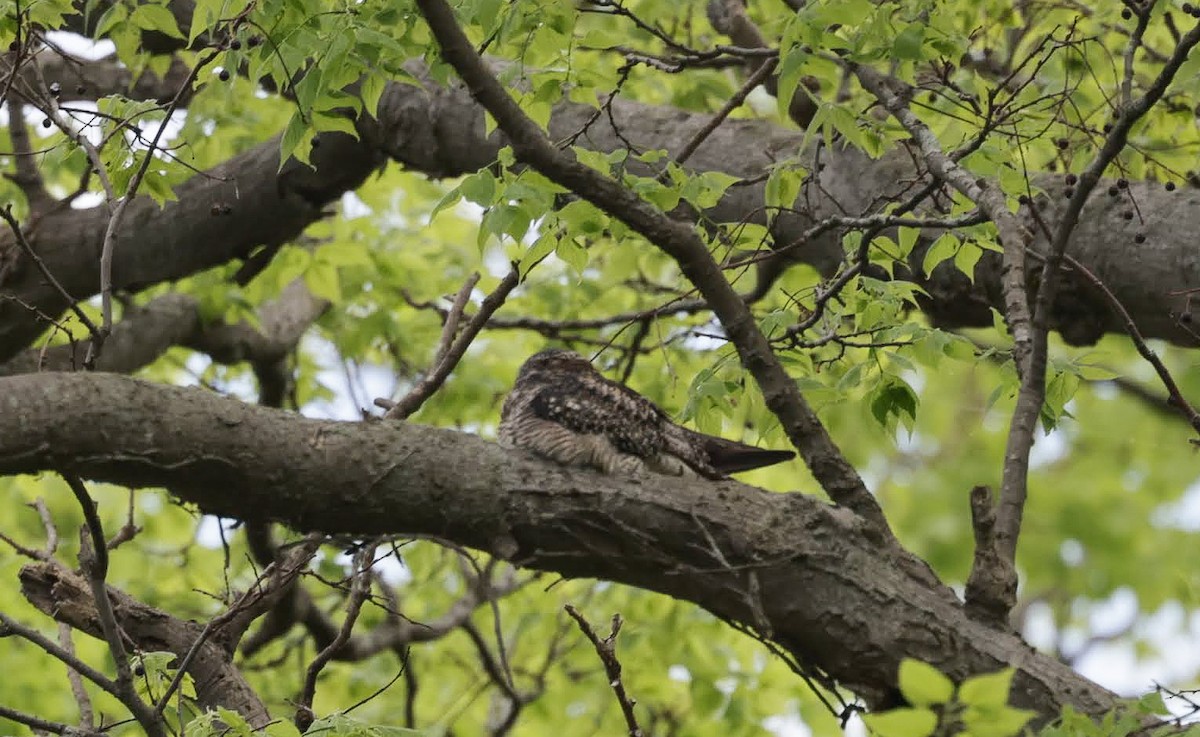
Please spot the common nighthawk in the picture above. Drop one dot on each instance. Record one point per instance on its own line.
(563, 409)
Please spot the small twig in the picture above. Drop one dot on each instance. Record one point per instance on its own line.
(358, 594)
(48, 525)
(432, 381)
(10, 626)
(93, 559)
(86, 715)
(118, 212)
(128, 530)
(607, 650)
(454, 316)
(6, 213)
(733, 103)
(40, 724)
(1175, 398)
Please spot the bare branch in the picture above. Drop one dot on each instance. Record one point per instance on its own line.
(455, 350)
(19, 236)
(358, 594)
(607, 650)
(1175, 398)
(118, 212)
(86, 715)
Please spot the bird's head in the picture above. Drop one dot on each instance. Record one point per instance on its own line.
(555, 359)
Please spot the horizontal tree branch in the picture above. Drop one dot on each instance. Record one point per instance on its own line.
(801, 572)
(440, 131)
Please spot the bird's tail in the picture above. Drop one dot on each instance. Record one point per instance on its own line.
(730, 456)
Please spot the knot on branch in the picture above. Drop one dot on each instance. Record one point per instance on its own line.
(992, 586)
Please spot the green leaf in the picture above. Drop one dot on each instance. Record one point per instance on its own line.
(116, 13)
(281, 728)
(894, 401)
(965, 259)
(922, 684)
(943, 248)
(297, 131)
(155, 18)
(479, 188)
(372, 89)
(234, 723)
(204, 17)
(992, 721)
(783, 187)
(902, 723)
(322, 280)
(326, 123)
(908, 42)
(990, 689)
(575, 255)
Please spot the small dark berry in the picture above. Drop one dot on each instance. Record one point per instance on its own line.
(46, 123)
(1062, 143)
(1187, 8)
(1071, 179)
(1113, 191)
(235, 44)
(223, 75)
(1122, 182)
(80, 89)
(55, 89)
(1170, 186)
(14, 46)
(1023, 199)
(1126, 14)
(1195, 12)
(316, 142)
(1069, 192)
(254, 41)
(1128, 214)
(1108, 127)
(1139, 238)
(932, 98)
(138, 670)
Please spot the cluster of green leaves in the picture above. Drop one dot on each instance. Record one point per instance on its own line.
(979, 705)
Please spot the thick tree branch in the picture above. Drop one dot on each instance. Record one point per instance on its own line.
(829, 593)
(182, 237)
(440, 131)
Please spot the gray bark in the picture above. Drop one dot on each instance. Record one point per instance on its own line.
(791, 567)
(440, 132)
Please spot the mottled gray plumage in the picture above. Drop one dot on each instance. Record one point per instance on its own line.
(563, 409)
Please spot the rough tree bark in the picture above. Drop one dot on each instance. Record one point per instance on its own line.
(440, 131)
(789, 566)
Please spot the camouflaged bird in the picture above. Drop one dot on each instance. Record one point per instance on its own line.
(563, 409)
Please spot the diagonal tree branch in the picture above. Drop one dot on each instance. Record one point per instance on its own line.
(680, 241)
